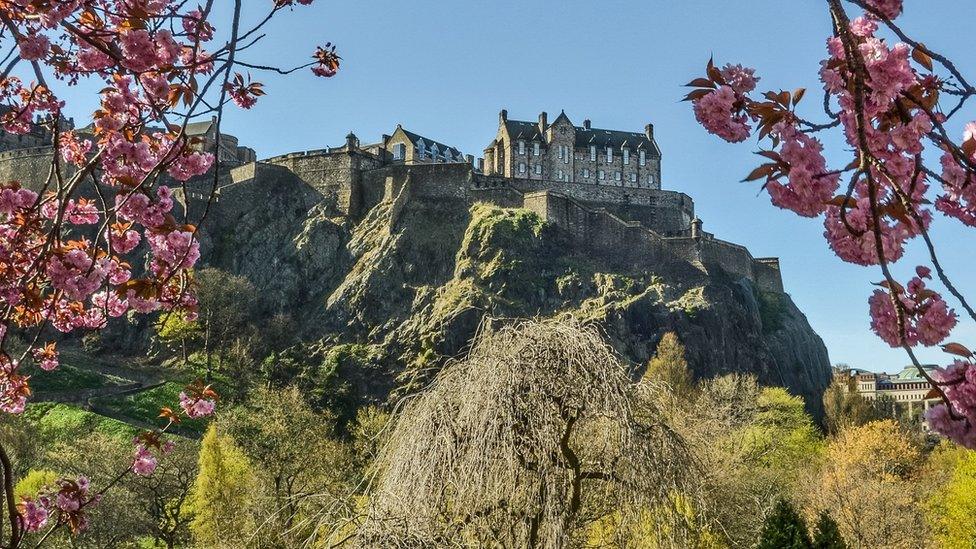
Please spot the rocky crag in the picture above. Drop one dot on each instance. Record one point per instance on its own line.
(409, 280)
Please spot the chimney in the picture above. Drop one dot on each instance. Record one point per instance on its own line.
(649, 131)
(586, 124)
(543, 122)
(503, 116)
(481, 165)
(352, 142)
(469, 158)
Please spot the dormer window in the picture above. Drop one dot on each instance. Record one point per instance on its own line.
(592, 153)
(521, 147)
(626, 157)
(643, 157)
(421, 149)
(535, 149)
(399, 151)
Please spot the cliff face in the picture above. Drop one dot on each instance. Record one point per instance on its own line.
(413, 280)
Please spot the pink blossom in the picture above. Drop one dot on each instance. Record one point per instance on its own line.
(742, 79)
(73, 273)
(718, 113)
(864, 27)
(190, 165)
(46, 357)
(889, 9)
(33, 46)
(13, 199)
(144, 463)
(810, 185)
(138, 49)
(73, 150)
(13, 387)
(173, 250)
(33, 514)
(196, 407)
(196, 27)
(928, 319)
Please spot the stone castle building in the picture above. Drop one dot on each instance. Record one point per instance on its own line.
(563, 152)
(602, 188)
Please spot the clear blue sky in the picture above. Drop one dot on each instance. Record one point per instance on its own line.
(444, 69)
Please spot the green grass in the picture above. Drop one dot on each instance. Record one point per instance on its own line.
(57, 421)
(145, 406)
(66, 378)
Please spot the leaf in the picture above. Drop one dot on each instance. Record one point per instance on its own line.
(766, 170)
(700, 83)
(697, 94)
(798, 95)
(841, 201)
(957, 349)
(772, 155)
(919, 55)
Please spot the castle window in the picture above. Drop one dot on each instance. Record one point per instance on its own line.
(535, 149)
(609, 154)
(538, 169)
(521, 146)
(592, 153)
(521, 167)
(586, 173)
(399, 151)
(627, 157)
(562, 152)
(643, 158)
(602, 174)
(633, 178)
(616, 176)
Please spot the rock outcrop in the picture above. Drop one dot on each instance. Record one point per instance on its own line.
(414, 279)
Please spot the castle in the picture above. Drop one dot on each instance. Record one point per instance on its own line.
(601, 187)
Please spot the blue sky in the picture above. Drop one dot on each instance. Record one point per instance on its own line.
(445, 69)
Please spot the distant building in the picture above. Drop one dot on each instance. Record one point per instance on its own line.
(405, 147)
(907, 388)
(230, 150)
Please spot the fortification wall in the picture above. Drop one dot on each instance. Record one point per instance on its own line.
(608, 235)
(335, 173)
(29, 167)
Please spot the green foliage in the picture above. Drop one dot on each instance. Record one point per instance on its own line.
(222, 492)
(691, 301)
(950, 510)
(34, 482)
(782, 436)
(827, 533)
(65, 378)
(145, 406)
(669, 366)
(784, 529)
(63, 422)
(844, 407)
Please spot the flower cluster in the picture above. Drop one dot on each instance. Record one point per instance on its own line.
(68, 499)
(198, 401)
(888, 109)
(959, 384)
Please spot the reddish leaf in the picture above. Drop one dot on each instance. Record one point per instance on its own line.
(921, 57)
(957, 349)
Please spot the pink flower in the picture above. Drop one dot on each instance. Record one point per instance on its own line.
(810, 185)
(742, 79)
(196, 27)
(190, 165)
(196, 407)
(33, 46)
(46, 357)
(928, 319)
(145, 463)
(138, 49)
(73, 150)
(864, 27)
(718, 113)
(889, 9)
(33, 514)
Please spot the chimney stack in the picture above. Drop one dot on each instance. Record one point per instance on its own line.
(649, 131)
(543, 122)
(481, 165)
(469, 158)
(502, 116)
(586, 124)
(352, 142)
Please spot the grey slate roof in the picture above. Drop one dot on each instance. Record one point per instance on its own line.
(414, 138)
(529, 131)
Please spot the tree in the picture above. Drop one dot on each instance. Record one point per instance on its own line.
(669, 366)
(520, 442)
(844, 407)
(868, 479)
(279, 430)
(222, 492)
(827, 534)
(164, 495)
(893, 105)
(784, 529)
(97, 237)
(226, 303)
(951, 507)
(177, 329)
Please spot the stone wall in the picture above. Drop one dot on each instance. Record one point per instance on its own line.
(30, 167)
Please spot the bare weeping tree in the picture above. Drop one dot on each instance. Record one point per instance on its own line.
(531, 437)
